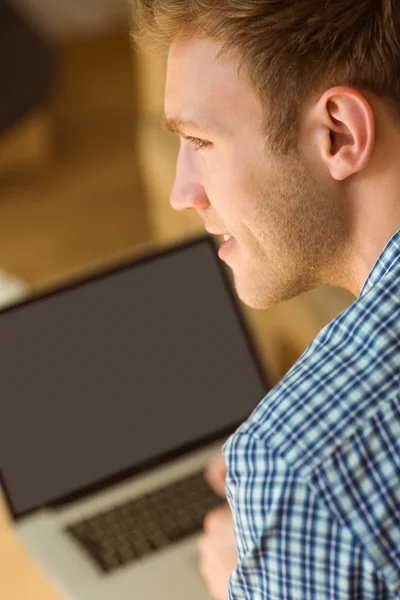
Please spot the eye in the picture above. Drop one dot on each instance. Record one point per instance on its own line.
(197, 143)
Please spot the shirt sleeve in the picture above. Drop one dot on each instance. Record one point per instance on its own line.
(288, 544)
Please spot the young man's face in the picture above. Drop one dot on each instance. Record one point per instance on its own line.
(283, 224)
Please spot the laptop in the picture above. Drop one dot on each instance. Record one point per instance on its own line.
(117, 391)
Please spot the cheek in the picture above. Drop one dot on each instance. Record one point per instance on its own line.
(230, 182)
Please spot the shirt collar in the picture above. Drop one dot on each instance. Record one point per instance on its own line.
(389, 256)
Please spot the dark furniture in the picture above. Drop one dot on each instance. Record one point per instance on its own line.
(27, 66)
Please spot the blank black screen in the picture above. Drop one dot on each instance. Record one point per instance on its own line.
(114, 371)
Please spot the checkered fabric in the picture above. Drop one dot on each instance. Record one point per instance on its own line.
(313, 476)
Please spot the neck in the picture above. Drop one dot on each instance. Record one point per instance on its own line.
(369, 246)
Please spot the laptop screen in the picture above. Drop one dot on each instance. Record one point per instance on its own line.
(108, 373)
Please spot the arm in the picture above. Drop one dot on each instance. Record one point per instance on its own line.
(287, 542)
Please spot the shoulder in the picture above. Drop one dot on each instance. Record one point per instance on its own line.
(331, 428)
(349, 373)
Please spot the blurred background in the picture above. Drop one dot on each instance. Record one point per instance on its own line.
(85, 168)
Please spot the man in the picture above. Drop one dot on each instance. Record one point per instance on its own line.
(288, 115)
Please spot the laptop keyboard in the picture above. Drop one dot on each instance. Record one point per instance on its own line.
(146, 524)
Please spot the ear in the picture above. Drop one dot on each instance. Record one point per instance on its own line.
(347, 137)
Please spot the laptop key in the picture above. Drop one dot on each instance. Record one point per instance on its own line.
(141, 526)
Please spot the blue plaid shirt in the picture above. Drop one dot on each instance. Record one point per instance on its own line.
(313, 476)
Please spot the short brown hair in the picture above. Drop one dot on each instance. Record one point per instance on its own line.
(291, 49)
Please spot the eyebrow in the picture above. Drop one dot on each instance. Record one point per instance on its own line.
(176, 125)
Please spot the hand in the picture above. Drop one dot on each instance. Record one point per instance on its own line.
(215, 474)
(218, 551)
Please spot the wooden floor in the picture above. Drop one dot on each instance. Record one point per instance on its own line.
(86, 205)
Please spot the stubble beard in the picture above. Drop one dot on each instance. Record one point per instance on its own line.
(301, 234)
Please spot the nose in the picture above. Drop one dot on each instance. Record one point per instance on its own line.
(189, 195)
(187, 191)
